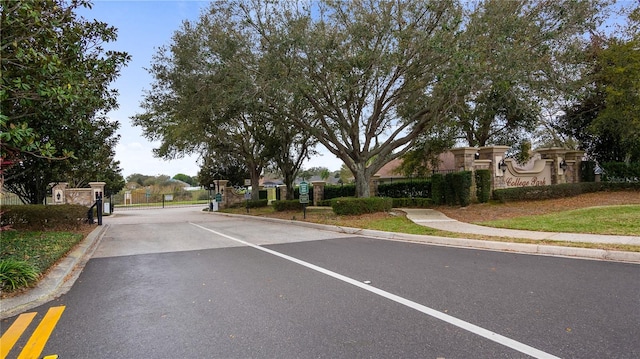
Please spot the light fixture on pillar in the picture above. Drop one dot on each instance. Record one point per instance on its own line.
(503, 166)
(563, 165)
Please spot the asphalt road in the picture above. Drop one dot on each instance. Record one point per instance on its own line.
(179, 283)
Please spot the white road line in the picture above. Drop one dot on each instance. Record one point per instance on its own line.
(500, 339)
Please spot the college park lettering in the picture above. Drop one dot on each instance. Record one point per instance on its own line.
(520, 182)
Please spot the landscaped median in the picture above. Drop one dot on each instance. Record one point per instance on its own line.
(621, 220)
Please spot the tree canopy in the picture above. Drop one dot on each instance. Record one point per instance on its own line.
(55, 94)
(605, 119)
(370, 79)
(209, 97)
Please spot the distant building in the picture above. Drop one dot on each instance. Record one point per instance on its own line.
(388, 172)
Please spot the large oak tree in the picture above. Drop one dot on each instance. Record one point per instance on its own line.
(212, 96)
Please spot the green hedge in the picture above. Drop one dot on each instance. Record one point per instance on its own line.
(257, 203)
(405, 189)
(483, 185)
(621, 172)
(438, 189)
(412, 202)
(560, 190)
(333, 191)
(462, 187)
(449, 190)
(457, 188)
(38, 217)
(291, 205)
(587, 171)
(356, 206)
(325, 202)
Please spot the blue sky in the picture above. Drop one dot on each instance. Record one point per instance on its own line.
(143, 26)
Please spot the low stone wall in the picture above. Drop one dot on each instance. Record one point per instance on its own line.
(82, 196)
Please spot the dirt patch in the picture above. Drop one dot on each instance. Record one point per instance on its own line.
(494, 211)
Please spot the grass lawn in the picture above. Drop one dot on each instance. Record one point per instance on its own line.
(40, 249)
(617, 220)
(397, 222)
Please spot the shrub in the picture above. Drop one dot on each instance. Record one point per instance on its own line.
(332, 191)
(560, 190)
(437, 189)
(257, 203)
(621, 172)
(38, 217)
(291, 205)
(15, 274)
(483, 185)
(462, 187)
(325, 203)
(356, 206)
(587, 171)
(412, 202)
(449, 189)
(404, 189)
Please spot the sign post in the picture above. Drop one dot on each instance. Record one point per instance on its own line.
(247, 197)
(304, 197)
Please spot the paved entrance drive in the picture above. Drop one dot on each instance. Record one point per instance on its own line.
(182, 283)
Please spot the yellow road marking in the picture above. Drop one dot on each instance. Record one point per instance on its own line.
(11, 336)
(39, 338)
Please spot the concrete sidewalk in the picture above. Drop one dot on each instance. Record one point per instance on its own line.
(434, 219)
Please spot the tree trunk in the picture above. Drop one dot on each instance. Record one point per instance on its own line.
(288, 181)
(362, 180)
(255, 182)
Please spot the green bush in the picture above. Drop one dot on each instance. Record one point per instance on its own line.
(257, 203)
(462, 188)
(587, 171)
(437, 189)
(332, 191)
(16, 274)
(356, 206)
(449, 189)
(483, 185)
(325, 203)
(621, 172)
(412, 202)
(291, 205)
(406, 189)
(560, 190)
(38, 217)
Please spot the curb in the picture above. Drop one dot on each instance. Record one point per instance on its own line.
(524, 248)
(58, 280)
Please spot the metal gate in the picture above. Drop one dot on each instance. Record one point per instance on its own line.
(145, 199)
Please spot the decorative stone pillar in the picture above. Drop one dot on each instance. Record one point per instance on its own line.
(97, 189)
(373, 185)
(283, 192)
(574, 166)
(495, 154)
(557, 154)
(464, 158)
(318, 191)
(221, 187)
(58, 193)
